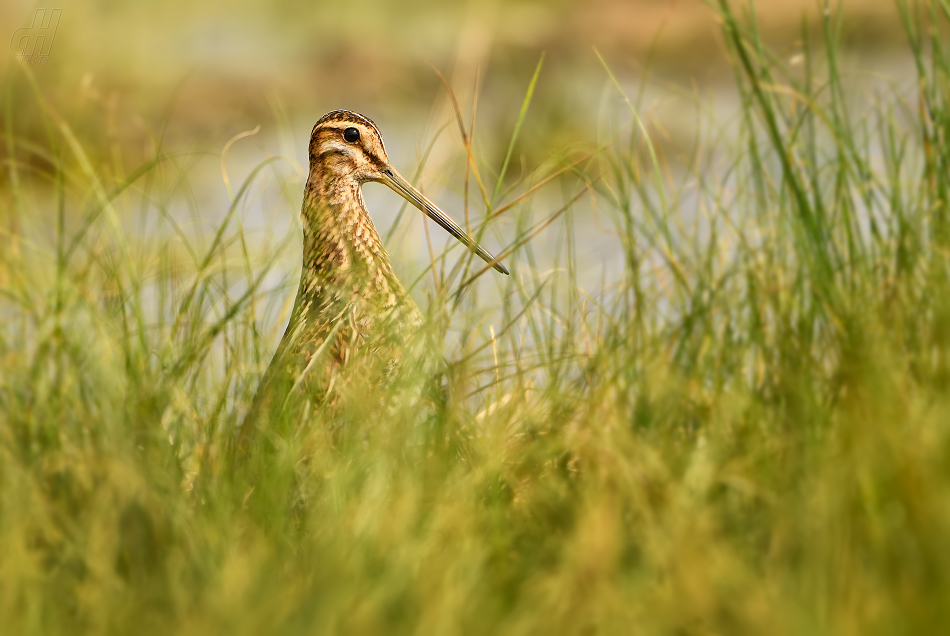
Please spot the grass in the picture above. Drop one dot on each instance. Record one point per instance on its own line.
(746, 430)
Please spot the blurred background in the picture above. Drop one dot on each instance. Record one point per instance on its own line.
(132, 77)
(214, 65)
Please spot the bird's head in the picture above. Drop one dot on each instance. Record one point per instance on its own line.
(347, 147)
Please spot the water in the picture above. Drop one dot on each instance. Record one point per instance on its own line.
(679, 116)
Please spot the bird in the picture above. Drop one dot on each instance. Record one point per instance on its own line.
(350, 309)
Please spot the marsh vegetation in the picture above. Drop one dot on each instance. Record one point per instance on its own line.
(731, 415)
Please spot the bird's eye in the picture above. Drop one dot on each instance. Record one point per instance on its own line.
(352, 135)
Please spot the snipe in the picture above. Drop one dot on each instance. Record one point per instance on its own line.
(349, 300)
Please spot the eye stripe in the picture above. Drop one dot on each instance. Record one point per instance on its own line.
(332, 129)
(345, 116)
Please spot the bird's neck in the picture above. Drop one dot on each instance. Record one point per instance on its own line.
(342, 251)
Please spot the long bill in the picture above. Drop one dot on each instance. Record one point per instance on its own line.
(398, 184)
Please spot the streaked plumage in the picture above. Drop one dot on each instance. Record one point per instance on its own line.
(349, 301)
